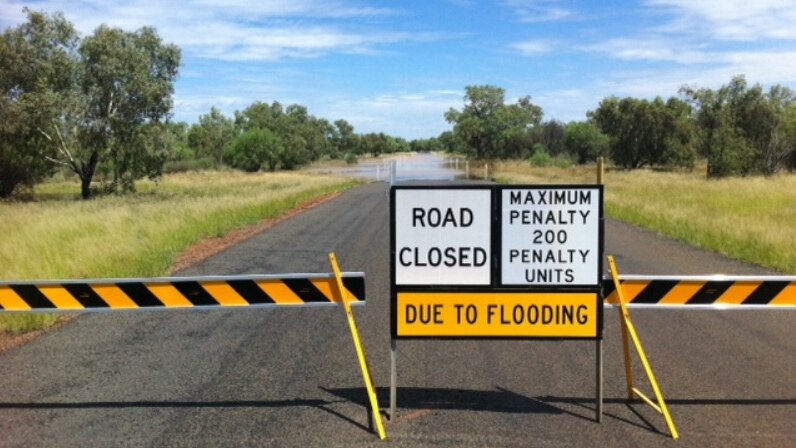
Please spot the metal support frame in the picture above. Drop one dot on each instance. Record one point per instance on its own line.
(393, 379)
(629, 329)
(599, 386)
(363, 360)
(599, 408)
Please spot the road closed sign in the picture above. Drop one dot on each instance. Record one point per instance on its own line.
(551, 236)
(496, 261)
(442, 236)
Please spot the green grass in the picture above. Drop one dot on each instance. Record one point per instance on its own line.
(58, 236)
(751, 219)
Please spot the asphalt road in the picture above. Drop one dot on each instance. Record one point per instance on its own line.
(289, 377)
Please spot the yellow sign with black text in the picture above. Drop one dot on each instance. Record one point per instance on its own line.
(498, 314)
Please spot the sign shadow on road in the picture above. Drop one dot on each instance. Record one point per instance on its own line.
(420, 398)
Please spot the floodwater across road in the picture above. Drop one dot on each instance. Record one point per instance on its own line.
(415, 167)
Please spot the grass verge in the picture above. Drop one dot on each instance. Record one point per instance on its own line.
(751, 219)
(58, 236)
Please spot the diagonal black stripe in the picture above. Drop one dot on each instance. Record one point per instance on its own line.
(608, 287)
(655, 291)
(194, 292)
(249, 290)
(85, 295)
(766, 292)
(709, 293)
(306, 291)
(356, 285)
(139, 294)
(33, 297)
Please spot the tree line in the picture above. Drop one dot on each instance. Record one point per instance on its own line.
(739, 129)
(100, 107)
(272, 136)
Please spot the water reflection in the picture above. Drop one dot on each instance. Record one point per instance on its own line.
(418, 167)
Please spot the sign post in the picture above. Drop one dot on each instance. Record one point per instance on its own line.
(496, 262)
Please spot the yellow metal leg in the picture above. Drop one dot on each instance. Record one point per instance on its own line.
(624, 317)
(628, 361)
(628, 328)
(363, 360)
(647, 368)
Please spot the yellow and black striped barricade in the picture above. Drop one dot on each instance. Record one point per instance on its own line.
(180, 292)
(254, 291)
(717, 292)
(704, 292)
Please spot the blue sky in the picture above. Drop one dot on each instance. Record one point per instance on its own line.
(397, 66)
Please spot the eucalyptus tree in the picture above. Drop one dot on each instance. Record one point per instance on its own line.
(106, 98)
(585, 142)
(485, 122)
(743, 128)
(211, 135)
(646, 133)
(127, 79)
(37, 67)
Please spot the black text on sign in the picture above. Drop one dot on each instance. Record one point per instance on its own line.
(551, 236)
(442, 236)
(497, 314)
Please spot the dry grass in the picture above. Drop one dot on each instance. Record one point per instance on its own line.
(59, 236)
(751, 219)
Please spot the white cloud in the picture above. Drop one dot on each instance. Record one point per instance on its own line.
(732, 20)
(765, 68)
(533, 11)
(239, 30)
(566, 104)
(242, 43)
(409, 115)
(296, 8)
(533, 47)
(699, 43)
(649, 49)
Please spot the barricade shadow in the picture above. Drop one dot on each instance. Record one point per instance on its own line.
(680, 401)
(165, 404)
(507, 401)
(323, 405)
(416, 398)
(588, 404)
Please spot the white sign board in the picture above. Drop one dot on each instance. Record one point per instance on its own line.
(442, 236)
(550, 236)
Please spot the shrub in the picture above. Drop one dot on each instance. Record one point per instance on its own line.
(563, 160)
(732, 155)
(254, 150)
(540, 156)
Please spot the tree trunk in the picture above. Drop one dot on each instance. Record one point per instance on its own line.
(87, 174)
(85, 187)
